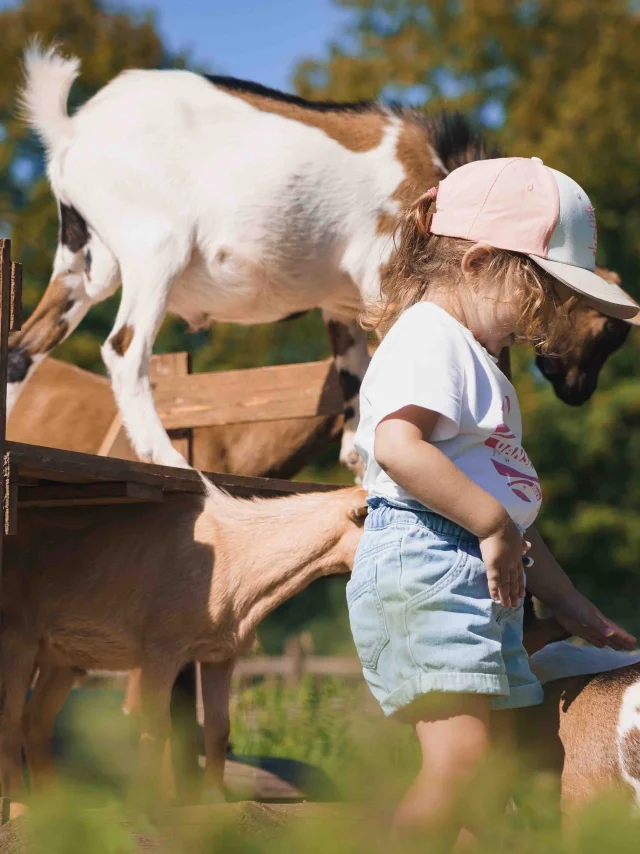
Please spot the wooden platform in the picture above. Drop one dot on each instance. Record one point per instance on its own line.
(36, 476)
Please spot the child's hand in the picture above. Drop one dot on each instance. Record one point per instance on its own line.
(502, 553)
(580, 617)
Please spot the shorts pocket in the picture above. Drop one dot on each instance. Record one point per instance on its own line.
(430, 563)
(366, 615)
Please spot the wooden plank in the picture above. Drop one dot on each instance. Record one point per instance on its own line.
(10, 508)
(5, 322)
(72, 467)
(161, 367)
(86, 494)
(256, 394)
(16, 297)
(169, 365)
(115, 442)
(35, 461)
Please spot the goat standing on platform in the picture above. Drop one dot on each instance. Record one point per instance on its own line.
(220, 200)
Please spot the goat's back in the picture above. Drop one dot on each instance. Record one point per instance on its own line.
(95, 594)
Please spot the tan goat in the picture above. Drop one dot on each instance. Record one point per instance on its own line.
(153, 587)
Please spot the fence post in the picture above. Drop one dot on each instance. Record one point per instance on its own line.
(294, 654)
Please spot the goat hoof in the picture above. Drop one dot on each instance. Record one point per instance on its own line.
(17, 809)
(213, 795)
(353, 461)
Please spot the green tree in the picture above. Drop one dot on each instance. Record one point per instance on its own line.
(557, 79)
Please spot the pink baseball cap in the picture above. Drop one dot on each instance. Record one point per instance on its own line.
(520, 204)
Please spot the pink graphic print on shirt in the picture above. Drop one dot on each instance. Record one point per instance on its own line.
(506, 450)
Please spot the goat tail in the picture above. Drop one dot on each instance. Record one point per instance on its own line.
(43, 98)
(211, 491)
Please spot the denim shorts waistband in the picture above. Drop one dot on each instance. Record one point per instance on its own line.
(383, 511)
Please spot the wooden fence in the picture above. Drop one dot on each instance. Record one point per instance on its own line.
(297, 661)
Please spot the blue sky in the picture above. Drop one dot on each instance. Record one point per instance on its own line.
(259, 40)
(262, 40)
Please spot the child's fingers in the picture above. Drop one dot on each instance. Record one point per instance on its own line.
(505, 588)
(515, 583)
(493, 579)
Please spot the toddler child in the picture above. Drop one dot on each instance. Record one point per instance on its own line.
(501, 251)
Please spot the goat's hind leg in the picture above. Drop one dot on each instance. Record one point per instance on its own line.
(216, 682)
(45, 703)
(147, 279)
(17, 660)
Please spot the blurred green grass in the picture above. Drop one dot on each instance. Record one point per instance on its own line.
(326, 722)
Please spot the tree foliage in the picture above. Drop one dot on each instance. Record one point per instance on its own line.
(558, 79)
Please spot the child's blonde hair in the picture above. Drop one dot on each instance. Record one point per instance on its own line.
(422, 262)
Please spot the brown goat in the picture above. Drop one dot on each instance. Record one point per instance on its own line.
(574, 375)
(587, 731)
(153, 587)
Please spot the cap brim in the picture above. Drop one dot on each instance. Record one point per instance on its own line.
(603, 296)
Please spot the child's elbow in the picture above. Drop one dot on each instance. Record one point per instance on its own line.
(388, 452)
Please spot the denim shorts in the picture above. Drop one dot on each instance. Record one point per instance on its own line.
(422, 618)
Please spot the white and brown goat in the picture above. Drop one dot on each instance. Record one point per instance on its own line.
(153, 587)
(217, 199)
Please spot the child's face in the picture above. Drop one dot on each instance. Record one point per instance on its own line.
(494, 319)
(490, 312)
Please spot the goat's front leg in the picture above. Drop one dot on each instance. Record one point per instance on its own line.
(52, 689)
(157, 676)
(349, 347)
(148, 274)
(216, 682)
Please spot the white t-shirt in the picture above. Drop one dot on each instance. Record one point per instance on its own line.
(428, 359)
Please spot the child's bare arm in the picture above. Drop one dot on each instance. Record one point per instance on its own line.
(548, 581)
(403, 450)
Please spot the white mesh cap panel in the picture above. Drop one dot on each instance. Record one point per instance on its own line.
(574, 239)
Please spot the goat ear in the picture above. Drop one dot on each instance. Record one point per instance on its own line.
(635, 320)
(358, 514)
(613, 278)
(608, 275)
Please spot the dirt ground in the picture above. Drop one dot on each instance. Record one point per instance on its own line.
(252, 820)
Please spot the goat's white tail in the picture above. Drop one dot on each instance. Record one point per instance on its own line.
(43, 99)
